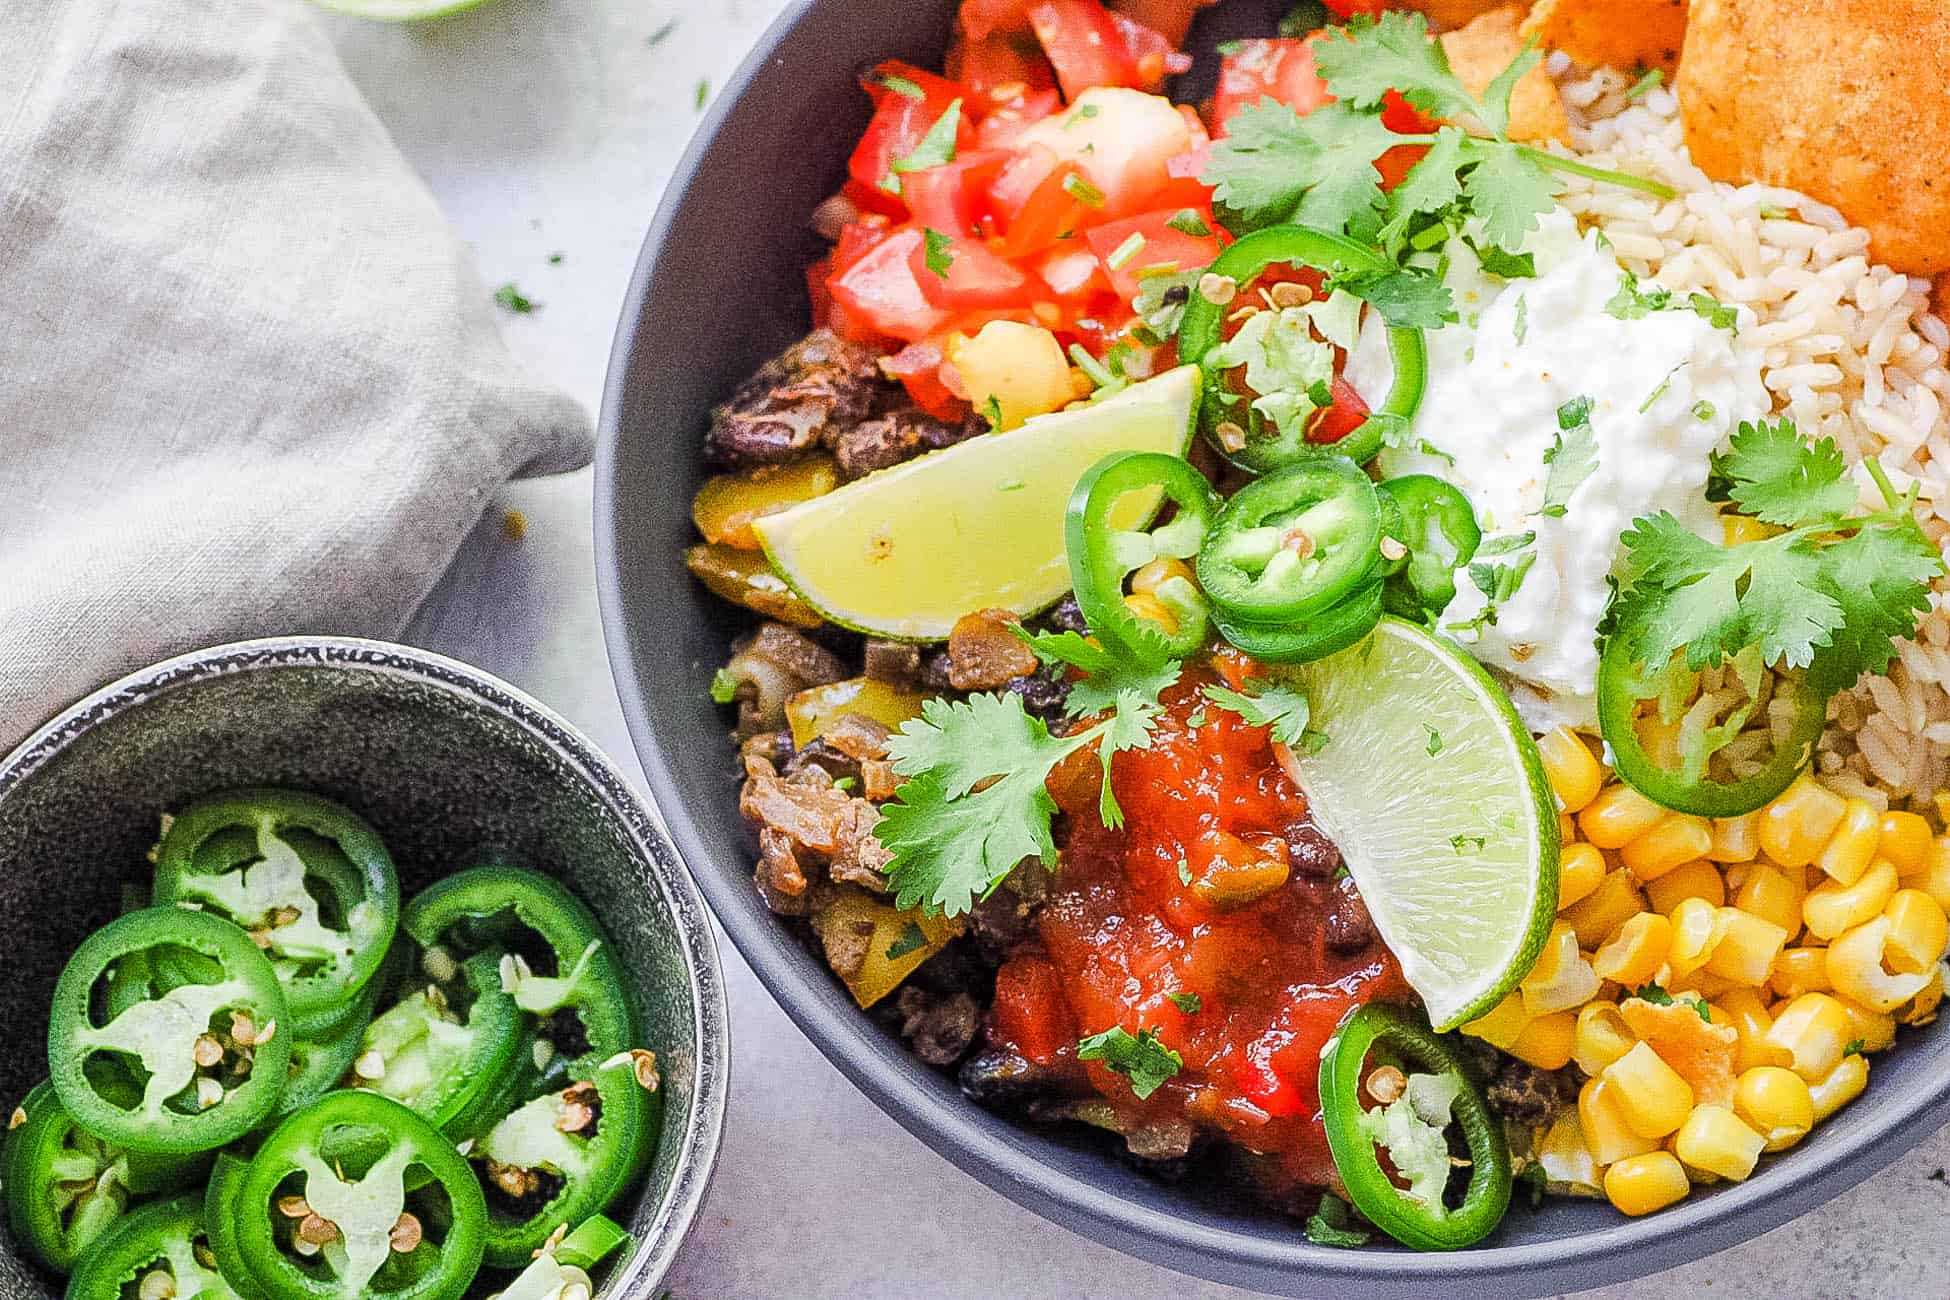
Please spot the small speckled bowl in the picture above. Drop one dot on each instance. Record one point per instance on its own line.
(448, 763)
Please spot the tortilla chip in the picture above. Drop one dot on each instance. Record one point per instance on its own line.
(1699, 1052)
(1841, 99)
(1624, 34)
(1485, 48)
(1450, 14)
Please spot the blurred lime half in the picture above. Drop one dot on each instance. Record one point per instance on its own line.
(1421, 771)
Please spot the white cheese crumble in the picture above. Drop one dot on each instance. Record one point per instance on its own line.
(1665, 390)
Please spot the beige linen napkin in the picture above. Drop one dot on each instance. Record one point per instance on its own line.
(249, 381)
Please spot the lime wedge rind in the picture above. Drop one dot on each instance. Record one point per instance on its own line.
(1454, 851)
(904, 552)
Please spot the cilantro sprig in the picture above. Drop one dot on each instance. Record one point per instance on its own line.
(1139, 1057)
(1832, 593)
(975, 803)
(1281, 709)
(1319, 170)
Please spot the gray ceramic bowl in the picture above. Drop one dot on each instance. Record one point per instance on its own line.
(735, 218)
(447, 763)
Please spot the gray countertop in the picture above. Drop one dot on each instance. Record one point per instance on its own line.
(550, 126)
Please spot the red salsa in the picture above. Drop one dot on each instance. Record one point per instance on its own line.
(1210, 890)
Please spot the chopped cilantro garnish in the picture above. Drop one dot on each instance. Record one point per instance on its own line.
(1186, 221)
(1468, 843)
(555, 259)
(512, 299)
(1511, 266)
(1141, 1058)
(1081, 113)
(1648, 81)
(1665, 386)
(662, 34)
(1832, 593)
(1281, 709)
(1334, 1224)
(1435, 740)
(1655, 994)
(724, 687)
(911, 940)
(1856, 1047)
(1189, 1003)
(951, 842)
(940, 251)
(905, 87)
(1572, 455)
(1704, 410)
(702, 94)
(936, 148)
(1522, 326)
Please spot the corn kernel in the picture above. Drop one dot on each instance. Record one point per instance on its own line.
(1692, 880)
(1546, 1041)
(1856, 967)
(1839, 1086)
(1746, 946)
(1644, 1183)
(1703, 982)
(1618, 816)
(1740, 529)
(1812, 1030)
(1918, 932)
(1635, 951)
(1696, 927)
(1904, 838)
(1606, 1131)
(1922, 1009)
(1602, 1037)
(1744, 1010)
(1796, 826)
(1581, 868)
(1735, 839)
(1869, 1031)
(1853, 845)
(1155, 574)
(1773, 895)
(1561, 978)
(1504, 1023)
(1798, 971)
(1934, 878)
(1567, 828)
(1616, 900)
(1651, 1095)
(1716, 1140)
(1574, 771)
(1672, 843)
(1153, 610)
(1566, 1160)
(1776, 1104)
(1832, 907)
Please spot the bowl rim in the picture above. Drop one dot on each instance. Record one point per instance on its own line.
(1005, 1156)
(710, 1017)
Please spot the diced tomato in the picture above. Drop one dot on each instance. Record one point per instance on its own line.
(998, 68)
(1031, 1016)
(1152, 57)
(901, 121)
(1262, 1085)
(1183, 188)
(858, 238)
(1347, 414)
(980, 17)
(880, 289)
(1072, 271)
(1085, 46)
(1273, 67)
(973, 279)
(1030, 201)
(817, 293)
(1171, 19)
(919, 367)
(952, 198)
(1351, 8)
(1160, 245)
(1004, 126)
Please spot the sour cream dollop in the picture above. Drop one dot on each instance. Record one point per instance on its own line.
(1665, 389)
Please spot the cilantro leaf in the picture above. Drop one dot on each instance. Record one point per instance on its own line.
(1511, 266)
(1632, 302)
(1779, 477)
(1431, 184)
(910, 940)
(1404, 297)
(1275, 166)
(724, 686)
(948, 850)
(1510, 190)
(1496, 96)
(1334, 1224)
(1572, 456)
(1139, 1057)
(1162, 298)
(1282, 709)
(1881, 579)
(1396, 53)
(934, 149)
(1186, 221)
(940, 251)
(1655, 994)
(1189, 1003)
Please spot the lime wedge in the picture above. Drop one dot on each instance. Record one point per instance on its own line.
(397, 11)
(1432, 787)
(905, 552)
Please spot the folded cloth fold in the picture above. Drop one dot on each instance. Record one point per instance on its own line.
(249, 381)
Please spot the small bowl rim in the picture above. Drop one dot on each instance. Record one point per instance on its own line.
(710, 1015)
(1006, 1157)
